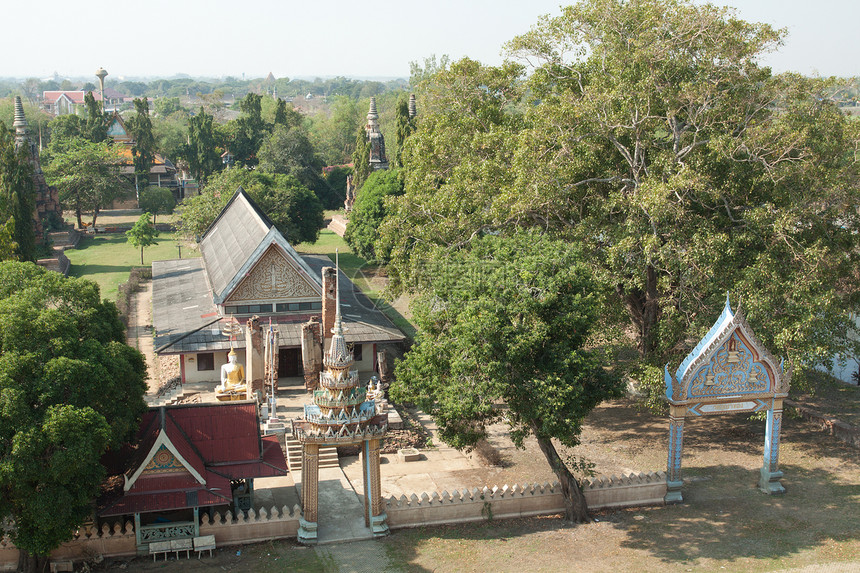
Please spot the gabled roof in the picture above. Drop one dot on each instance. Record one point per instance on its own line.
(729, 361)
(236, 240)
(117, 129)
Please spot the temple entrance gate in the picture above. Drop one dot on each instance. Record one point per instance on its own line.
(342, 413)
(729, 371)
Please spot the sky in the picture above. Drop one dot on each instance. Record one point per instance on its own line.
(218, 38)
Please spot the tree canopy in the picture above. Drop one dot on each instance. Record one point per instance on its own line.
(369, 211)
(87, 176)
(17, 202)
(502, 330)
(142, 234)
(143, 150)
(292, 207)
(157, 201)
(70, 388)
(648, 133)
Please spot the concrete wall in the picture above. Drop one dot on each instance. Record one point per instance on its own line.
(263, 525)
(521, 501)
(118, 540)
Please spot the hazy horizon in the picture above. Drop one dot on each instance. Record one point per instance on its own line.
(214, 39)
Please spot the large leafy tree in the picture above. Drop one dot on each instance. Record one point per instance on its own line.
(95, 126)
(502, 330)
(250, 131)
(292, 207)
(157, 201)
(369, 211)
(87, 176)
(70, 389)
(288, 151)
(650, 134)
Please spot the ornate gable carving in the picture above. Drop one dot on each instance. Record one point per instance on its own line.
(164, 462)
(273, 277)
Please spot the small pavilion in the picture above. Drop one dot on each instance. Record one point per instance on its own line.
(187, 458)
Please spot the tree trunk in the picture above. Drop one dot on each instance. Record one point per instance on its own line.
(29, 563)
(78, 214)
(95, 216)
(643, 308)
(576, 508)
(141, 256)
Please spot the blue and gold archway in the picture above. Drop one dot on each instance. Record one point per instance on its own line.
(728, 371)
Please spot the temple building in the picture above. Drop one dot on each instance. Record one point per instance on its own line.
(249, 269)
(378, 159)
(185, 459)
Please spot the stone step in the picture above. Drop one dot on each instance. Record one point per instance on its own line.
(328, 456)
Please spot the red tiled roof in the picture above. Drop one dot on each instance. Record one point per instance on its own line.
(216, 492)
(77, 96)
(221, 433)
(219, 441)
(273, 464)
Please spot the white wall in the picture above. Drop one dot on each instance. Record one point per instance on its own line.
(214, 375)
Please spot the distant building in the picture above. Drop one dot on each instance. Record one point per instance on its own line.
(162, 173)
(66, 102)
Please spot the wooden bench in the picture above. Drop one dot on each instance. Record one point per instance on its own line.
(156, 548)
(185, 545)
(203, 543)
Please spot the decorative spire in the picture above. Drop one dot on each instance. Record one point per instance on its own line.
(20, 124)
(372, 116)
(338, 355)
(413, 108)
(378, 159)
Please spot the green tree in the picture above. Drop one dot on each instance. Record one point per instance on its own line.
(405, 127)
(502, 331)
(361, 158)
(70, 389)
(251, 129)
(157, 200)
(142, 234)
(17, 200)
(289, 151)
(87, 177)
(333, 136)
(369, 211)
(202, 154)
(292, 207)
(649, 134)
(96, 124)
(165, 106)
(143, 150)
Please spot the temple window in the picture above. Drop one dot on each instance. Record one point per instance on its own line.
(205, 361)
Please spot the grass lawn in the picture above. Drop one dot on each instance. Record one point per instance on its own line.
(363, 274)
(108, 259)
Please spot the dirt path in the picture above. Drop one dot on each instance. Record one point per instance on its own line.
(140, 333)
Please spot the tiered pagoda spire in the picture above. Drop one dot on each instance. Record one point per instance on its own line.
(378, 159)
(341, 412)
